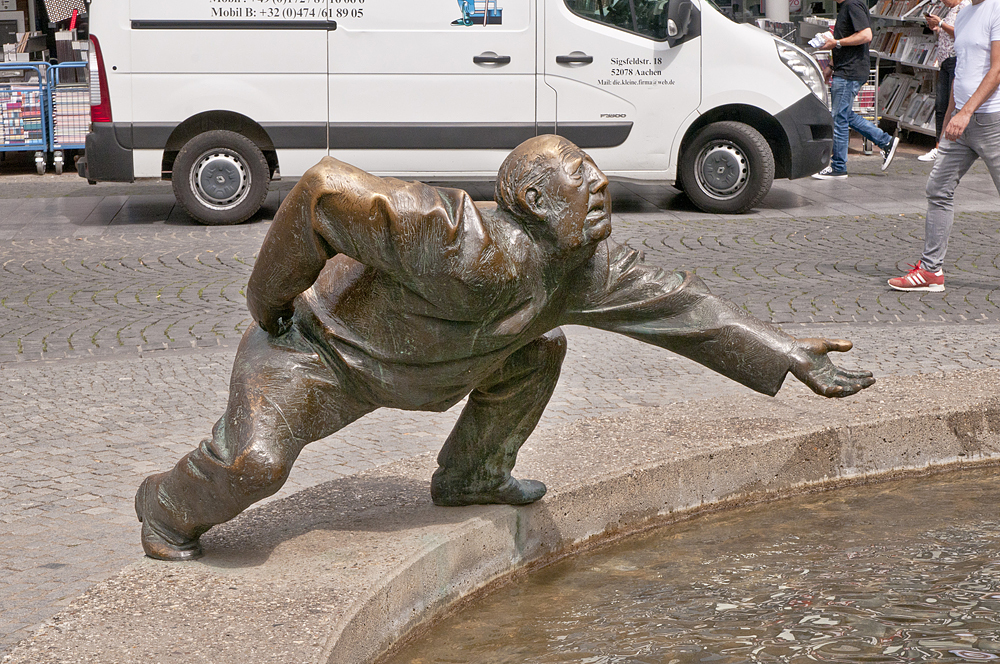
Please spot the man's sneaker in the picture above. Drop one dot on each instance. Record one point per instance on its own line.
(919, 279)
(829, 174)
(889, 152)
(930, 156)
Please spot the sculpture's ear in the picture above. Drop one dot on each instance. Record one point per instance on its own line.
(533, 201)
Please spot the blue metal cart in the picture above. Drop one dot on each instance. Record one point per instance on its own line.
(24, 110)
(69, 110)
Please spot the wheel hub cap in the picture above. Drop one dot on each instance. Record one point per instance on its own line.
(221, 178)
(723, 170)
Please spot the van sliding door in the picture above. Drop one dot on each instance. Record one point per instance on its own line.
(431, 87)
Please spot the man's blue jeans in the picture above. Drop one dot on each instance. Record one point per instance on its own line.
(845, 119)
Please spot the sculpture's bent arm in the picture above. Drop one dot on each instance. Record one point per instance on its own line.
(619, 293)
(290, 258)
(394, 226)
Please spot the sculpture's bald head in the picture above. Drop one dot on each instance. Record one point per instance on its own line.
(549, 179)
(528, 165)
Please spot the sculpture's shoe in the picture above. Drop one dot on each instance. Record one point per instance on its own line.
(511, 492)
(156, 541)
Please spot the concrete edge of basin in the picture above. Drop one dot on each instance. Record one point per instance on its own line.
(323, 583)
(603, 509)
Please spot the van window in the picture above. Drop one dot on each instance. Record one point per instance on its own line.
(644, 17)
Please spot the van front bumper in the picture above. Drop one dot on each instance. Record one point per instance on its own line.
(809, 128)
(105, 158)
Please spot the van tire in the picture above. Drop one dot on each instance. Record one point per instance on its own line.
(220, 178)
(728, 168)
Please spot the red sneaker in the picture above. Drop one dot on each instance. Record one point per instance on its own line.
(919, 279)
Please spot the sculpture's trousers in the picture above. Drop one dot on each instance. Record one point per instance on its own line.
(500, 415)
(282, 398)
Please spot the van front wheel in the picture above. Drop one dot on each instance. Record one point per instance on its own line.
(728, 168)
(220, 178)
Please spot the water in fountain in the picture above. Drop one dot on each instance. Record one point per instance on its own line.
(896, 572)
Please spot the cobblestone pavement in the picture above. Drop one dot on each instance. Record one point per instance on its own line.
(119, 320)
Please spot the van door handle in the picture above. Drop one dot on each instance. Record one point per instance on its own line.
(574, 58)
(489, 58)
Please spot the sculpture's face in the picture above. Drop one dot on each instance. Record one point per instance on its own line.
(579, 208)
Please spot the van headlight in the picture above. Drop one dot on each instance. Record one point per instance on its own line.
(805, 67)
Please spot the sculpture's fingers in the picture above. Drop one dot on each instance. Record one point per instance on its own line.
(856, 374)
(857, 387)
(848, 386)
(839, 345)
(823, 346)
(833, 391)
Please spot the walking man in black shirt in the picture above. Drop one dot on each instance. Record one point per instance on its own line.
(849, 45)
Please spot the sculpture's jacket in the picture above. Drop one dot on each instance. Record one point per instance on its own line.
(414, 295)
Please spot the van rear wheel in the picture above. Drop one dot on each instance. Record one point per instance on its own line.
(220, 178)
(728, 168)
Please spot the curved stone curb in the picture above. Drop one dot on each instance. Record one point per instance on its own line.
(342, 571)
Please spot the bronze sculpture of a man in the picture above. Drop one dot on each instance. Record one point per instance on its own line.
(371, 292)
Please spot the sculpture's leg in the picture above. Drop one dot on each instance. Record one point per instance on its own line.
(281, 397)
(477, 458)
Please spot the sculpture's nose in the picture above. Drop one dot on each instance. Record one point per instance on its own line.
(598, 181)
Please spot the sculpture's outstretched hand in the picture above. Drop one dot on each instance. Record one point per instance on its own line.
(814, 368)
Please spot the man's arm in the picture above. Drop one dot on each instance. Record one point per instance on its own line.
(960, 120)
(617, 292)
(384, 223)
(857, 39)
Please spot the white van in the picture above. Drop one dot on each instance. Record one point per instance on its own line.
(218, 95)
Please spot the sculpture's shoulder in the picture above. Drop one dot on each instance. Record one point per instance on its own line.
(507, 253)
(329, 175)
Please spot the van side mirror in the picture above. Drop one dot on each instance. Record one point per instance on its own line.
(678, 21)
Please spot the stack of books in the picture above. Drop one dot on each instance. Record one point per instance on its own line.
(935, 7)
(20, 116)
(70, 115)
(864, 103)
(782, 29)
(907, 45)
(907, 99)
(896, 8)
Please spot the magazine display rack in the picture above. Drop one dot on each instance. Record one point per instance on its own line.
(908, 99)
(23, 110)
(907, 94)
(69, 110)
(44, 109)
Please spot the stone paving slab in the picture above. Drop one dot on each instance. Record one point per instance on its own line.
(116, 341)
